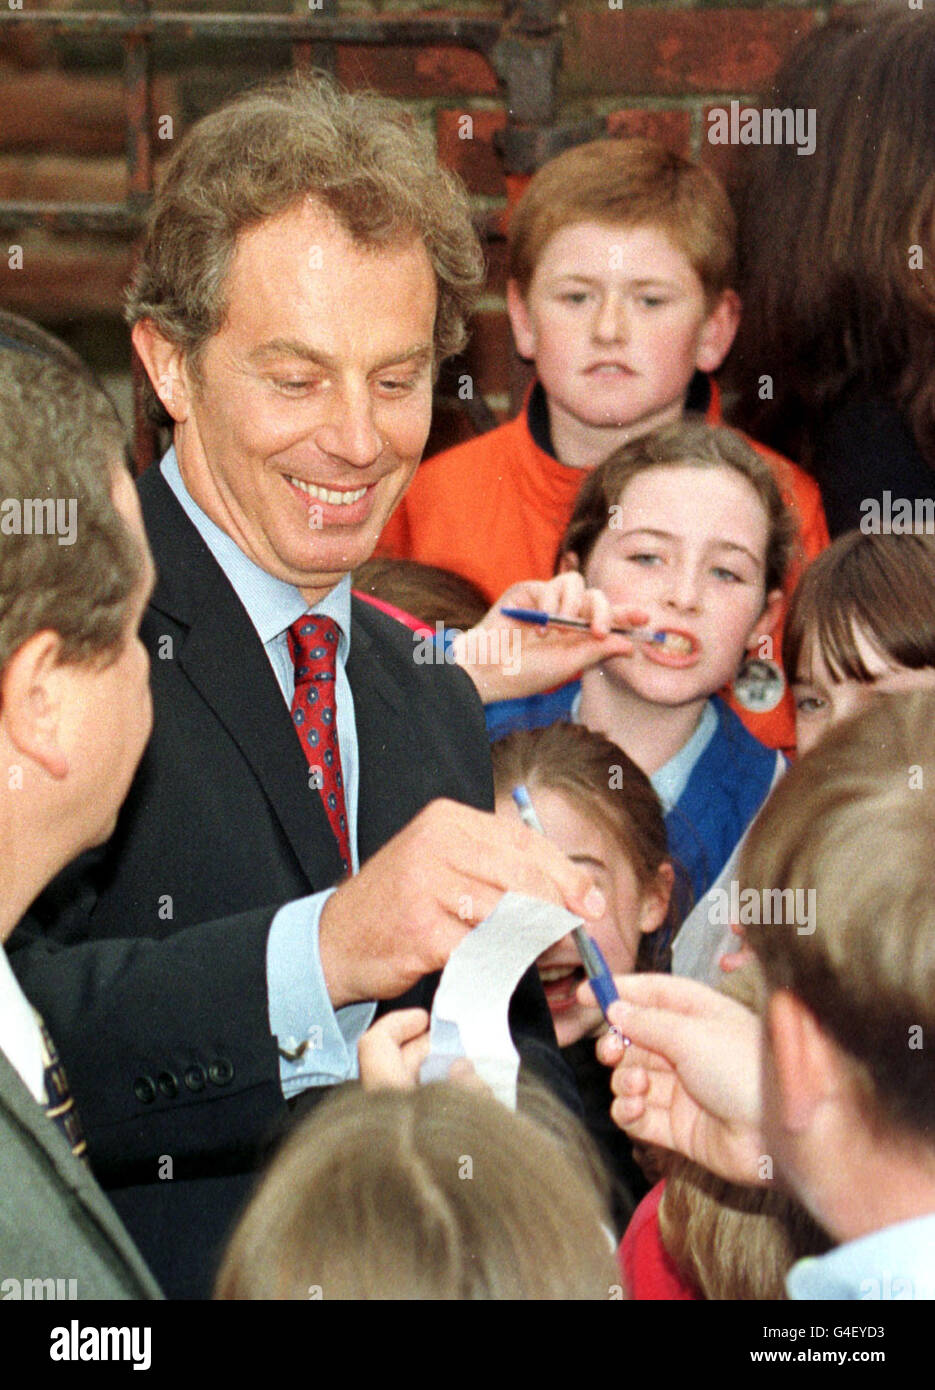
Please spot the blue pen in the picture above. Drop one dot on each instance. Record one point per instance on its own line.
(533, 615)
(595, 966)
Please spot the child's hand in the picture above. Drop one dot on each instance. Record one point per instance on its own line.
(393, 1049)
(507, 659)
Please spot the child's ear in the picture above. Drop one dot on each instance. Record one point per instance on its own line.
(717, 333)
(768, 620)
(524, 334)
(655, 902)
(568, 563)
(165, 367)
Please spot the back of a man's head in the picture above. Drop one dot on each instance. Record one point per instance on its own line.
(67, 560)
(268, 151)
(853, 824)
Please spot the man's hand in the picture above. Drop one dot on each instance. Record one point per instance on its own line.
(402, 916)
(507, 659)
(690, 1080)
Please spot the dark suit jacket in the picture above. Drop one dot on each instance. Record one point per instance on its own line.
(55, 1222)
(147, 958)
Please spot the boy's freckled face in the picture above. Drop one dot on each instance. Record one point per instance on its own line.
(688, 544)
(616, 321)
(821, 701)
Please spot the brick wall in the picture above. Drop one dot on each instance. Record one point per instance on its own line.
(638, 68)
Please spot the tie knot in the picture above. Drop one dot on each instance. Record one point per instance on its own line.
(313, 646)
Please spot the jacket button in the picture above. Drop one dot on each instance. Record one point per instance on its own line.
(144, 1090)
(168, 1085)
(221, 1071)
(194, 1078)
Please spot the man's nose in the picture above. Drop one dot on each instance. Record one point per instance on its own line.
(349, 432)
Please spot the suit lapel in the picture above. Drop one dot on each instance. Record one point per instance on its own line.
(225, 661)
(28, 1115)
(391, 766)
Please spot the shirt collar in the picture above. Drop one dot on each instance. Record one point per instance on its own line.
(272, 604)
(894, 1263)
(19, 1033)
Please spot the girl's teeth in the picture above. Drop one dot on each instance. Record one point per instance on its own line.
(677, 644)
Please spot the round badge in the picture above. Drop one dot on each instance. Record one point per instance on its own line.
(759, 685)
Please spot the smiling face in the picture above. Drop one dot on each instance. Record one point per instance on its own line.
(312, 404)
(630, 910)
(617, 323)
(688, 545)
(821, 701)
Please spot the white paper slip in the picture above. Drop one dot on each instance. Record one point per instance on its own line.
(470, 1016)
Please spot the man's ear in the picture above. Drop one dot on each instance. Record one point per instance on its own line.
(718, 331)
(524, 334)
(768, 620)
(806, 1063)
(165, 367)
(33, 694)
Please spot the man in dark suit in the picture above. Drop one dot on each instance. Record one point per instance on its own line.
(306, 268)
(75, 713)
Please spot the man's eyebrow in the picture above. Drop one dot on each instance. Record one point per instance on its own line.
(293, 347)
(717, 544)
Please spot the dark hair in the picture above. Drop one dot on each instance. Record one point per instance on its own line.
(831, 301)
(883, 584)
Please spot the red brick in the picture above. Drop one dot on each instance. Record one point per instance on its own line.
(475, 159)
(497, 266)
(51, 110)
(489, 352)
(60, 281)
(656, 51)
(722, 159)
(415, 72)
(670, 128)
(53, 178)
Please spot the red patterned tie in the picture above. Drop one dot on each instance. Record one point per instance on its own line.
(313, 646)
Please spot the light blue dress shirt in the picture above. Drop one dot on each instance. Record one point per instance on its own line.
(896, 1263)
(300, 1010)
